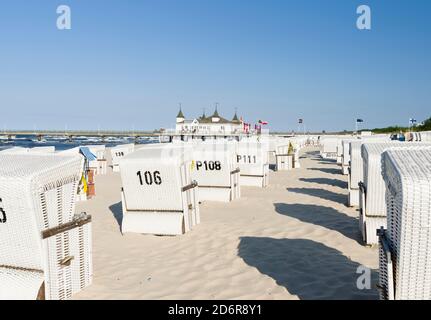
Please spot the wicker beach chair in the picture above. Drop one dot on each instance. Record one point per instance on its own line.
(283, 160)
(253, 162)
(45, 248)
(215, 170)
(372, 205)
(425, 136)
(329, 146)
(340, 151)
(345, 156)
(404, 251)
(101, 163)
(355, 174)
(158, 195)
(372, 202)
(118, 152)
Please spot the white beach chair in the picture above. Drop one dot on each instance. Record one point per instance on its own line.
(159, 196)
(340, 151)
(329, 146)
(45, 249)
(404, 251)
(355, 173)
(345, 158)
(253, 162)
(215, 170)
(426, 136)
(372, 206)
(118, 152)
(372, 202)
(101, 162)
(283, 160)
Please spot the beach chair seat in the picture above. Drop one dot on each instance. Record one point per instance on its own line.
(19, 284)
(42, 240)
(214, 169)
(158, 195)
(119, 152)
(253, 162)
(404, 252)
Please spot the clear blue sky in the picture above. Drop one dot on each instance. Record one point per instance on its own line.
(127, 64)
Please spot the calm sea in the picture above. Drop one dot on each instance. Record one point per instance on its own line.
(30, 141)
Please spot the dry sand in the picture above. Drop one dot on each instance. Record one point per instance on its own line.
(295, 239)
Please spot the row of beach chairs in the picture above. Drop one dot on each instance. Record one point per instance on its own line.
(393, 194)
(45, 246)
(163, 184)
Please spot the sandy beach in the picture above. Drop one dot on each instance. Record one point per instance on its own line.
(295, 239)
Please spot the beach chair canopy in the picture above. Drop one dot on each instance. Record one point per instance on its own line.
(85, 151)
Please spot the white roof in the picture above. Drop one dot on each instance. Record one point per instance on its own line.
(28, 165)
(412, 164)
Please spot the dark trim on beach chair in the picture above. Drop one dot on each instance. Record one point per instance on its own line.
(252, 175)
(79, 221)
(192, 185)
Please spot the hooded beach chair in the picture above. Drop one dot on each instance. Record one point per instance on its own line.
(253, 161)
(215, 169)
(45, 248)
(284, 159)
(158, 195)
(118, 152)
(345, 156)
(100, 152)
(372, 201)
(356, 167)
(329, 146)
(405, 247)
(355, 173)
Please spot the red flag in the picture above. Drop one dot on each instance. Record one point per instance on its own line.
(263, 122)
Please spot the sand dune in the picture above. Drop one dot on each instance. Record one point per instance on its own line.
(295, 239)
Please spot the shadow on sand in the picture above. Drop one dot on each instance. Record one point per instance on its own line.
(321, 193)
(117, 212)
(327, 181)
(326, 217)
(327, 161)
(306, 268)
(327, 170)
(312, 153)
